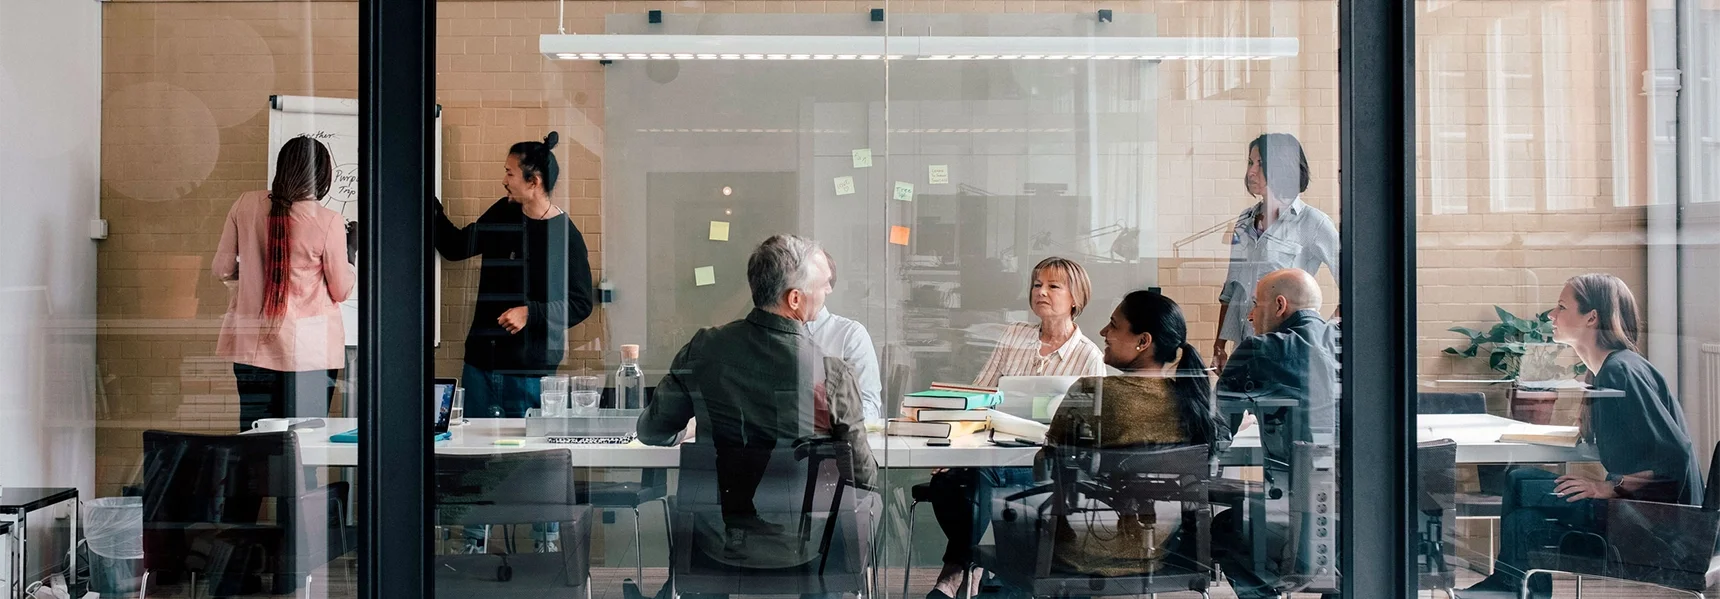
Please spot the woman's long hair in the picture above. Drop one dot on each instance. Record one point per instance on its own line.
(1154, 314)
(1614, 306)
(304, 171)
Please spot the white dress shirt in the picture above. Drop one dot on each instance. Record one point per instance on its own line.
(847, 339)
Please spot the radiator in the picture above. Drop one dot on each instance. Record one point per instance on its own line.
(1704, 408)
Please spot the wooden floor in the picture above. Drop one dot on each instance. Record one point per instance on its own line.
(339, 581)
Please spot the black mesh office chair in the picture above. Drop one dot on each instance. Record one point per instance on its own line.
(1436, 466)
(1660, 544)
(813, 526)
(512, 489)
(1484, 504)
(1036, 526)
(202, 497)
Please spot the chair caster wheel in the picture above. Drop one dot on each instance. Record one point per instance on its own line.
(504, 573)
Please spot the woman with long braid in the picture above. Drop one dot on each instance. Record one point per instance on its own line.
(283, 329)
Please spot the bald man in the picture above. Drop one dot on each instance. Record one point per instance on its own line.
(1295, 356)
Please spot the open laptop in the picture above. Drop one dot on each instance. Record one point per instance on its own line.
(1034, 397)
(442, 403)
(441, 411)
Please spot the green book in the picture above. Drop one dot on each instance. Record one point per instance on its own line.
(939, 399)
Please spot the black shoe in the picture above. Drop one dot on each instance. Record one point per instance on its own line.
(1497, 586)
(736, 545)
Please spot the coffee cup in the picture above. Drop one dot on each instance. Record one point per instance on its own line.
(271, 425)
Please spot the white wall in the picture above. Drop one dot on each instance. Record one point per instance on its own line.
(50, 152)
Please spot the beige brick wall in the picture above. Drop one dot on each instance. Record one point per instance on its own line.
(185, 131)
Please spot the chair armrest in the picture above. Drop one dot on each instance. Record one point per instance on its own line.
(1663, 535)
(1641, 541)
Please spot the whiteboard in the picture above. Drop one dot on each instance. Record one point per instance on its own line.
(334, 122)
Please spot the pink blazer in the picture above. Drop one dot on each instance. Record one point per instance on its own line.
(309, 335)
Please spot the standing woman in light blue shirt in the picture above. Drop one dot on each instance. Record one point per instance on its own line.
(1279, 231)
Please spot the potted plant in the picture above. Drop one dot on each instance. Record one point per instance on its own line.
(1521, 349)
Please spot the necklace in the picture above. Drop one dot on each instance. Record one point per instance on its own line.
(548, 208)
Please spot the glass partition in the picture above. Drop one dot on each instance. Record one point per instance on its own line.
(1563, 350)
(973, 190)
(226, 219)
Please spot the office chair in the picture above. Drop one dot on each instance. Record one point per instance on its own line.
(511, 489)
(202, 495)
(1088, 485)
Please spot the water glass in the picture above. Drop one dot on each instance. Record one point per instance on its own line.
(554, 403)
(586, 392)
(457, 413)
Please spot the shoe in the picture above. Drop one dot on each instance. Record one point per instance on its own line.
(1499, 587)
(475, 548)
(735, 546)
(545, 547)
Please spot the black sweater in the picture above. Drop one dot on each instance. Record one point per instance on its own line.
(1643, 431)
(539, 264)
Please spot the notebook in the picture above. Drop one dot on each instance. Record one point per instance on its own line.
(352, 437)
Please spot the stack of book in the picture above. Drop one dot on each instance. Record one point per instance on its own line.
(945, 411)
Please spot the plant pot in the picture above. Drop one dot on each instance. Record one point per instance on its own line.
(1534, 407)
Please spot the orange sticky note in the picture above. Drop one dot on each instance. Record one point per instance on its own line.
(899, 235)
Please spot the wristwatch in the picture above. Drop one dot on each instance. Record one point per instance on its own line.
(1619, 491)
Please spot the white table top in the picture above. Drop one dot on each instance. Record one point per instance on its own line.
(1477, 437)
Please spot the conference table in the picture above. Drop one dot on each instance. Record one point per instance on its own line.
(1476, 435)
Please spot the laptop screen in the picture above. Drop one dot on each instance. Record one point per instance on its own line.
(442, 404)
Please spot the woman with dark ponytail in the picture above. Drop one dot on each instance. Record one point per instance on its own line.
(1162, 398)
(534, 285)
(283, 329)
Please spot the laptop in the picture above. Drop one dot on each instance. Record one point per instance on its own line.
(441, 411)
(442, 403)
(1033, 397)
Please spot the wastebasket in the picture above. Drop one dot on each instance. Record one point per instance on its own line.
(113, 532)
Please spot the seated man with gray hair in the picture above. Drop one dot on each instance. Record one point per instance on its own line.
(1293, 357)
(757, 386)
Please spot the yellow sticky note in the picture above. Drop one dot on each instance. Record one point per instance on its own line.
(899, 235)
(904, 191)
(938, 174)
(719, 231)
(844, 186)
(863, 158)
(704, 275)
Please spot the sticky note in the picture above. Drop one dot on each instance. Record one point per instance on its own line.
(844, 186)
(938, 174)
(899, 235)
(719, 231)
(863, 158)
(904, 191)
(704, 275)
(510, 442)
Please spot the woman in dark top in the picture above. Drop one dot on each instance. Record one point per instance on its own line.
(1640, 436)
(534, 285)
(1163, 398)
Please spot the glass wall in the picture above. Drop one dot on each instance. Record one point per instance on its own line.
(228, 192)
(1566, 384)
(941, 155)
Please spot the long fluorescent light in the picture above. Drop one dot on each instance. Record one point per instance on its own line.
(857, 47)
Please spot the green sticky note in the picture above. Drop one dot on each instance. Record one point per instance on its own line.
(719, 231)
(904, 191)
(704, 275)
(863, 158)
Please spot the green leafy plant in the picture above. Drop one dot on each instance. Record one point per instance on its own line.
(1516, 345)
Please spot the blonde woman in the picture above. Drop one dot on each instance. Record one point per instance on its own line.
(1057, 293)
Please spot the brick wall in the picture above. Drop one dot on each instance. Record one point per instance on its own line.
(185, 131)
